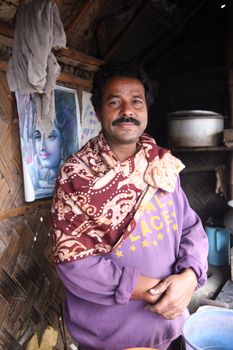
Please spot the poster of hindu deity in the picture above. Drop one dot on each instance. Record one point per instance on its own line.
(90, 126)
(44, 152)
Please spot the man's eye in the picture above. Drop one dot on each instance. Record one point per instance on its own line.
(138, 102)
(114, 102)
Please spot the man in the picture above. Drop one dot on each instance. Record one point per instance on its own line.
(127, 246)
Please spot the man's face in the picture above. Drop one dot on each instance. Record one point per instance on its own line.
(123, 114)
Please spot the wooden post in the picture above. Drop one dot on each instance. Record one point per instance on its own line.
(232, 263)
(229, 59)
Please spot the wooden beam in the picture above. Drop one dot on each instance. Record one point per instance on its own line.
(101, 37)
(78, 17)
(75, 80)
(6, 29)
(113, 46)
(69, 56)
(161, 43)
(76, 58)
(10, 213)
(64, 77)
(6, 41)
(3, 65)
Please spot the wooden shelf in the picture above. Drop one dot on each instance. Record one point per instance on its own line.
(201, 169)
(203, 149)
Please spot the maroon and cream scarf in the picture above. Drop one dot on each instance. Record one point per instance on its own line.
(97, 196)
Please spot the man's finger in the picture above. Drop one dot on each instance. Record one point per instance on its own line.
(159, 289)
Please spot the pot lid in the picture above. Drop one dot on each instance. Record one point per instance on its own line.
(193, 112)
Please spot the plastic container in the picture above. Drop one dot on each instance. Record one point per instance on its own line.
(219, 246)
(209, 329)
(228, 219)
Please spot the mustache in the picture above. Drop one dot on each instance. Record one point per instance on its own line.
(126, 120)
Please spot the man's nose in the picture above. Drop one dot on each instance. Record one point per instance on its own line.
(126, 109)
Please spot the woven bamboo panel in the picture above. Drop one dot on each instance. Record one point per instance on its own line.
(200, 186)
(11, 183)
(29, 290)
(30, 293)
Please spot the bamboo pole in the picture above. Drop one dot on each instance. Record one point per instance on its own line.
(10, 213)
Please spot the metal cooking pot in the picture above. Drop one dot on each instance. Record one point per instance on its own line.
(195, 128)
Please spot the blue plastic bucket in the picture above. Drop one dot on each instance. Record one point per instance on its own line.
(210, 329)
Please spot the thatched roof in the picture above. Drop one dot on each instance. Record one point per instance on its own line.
(151, 31)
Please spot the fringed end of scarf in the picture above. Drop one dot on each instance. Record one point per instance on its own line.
(45, 111)
(162, 172)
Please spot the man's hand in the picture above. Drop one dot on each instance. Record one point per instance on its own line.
(141, 291)
(175, 294)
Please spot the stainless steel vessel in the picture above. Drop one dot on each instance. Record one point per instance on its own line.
(195, 128)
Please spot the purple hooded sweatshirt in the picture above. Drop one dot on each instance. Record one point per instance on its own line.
(98, 310)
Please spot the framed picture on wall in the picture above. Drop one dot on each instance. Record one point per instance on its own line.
(44, 152)
(90, 126)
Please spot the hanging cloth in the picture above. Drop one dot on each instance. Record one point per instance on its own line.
(33, 67)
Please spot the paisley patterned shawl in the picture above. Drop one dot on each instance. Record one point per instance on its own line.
(96, 196)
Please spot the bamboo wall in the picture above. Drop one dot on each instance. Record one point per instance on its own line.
(29, 290)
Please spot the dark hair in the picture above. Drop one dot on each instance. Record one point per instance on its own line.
(119, 69)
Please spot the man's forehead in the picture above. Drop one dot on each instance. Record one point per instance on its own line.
(119, 84)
